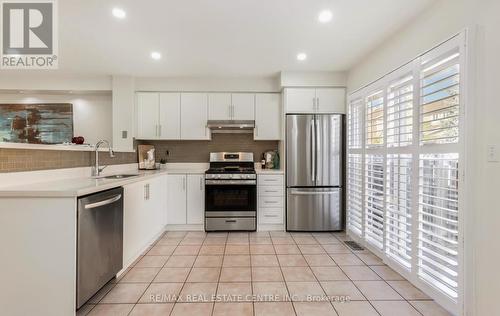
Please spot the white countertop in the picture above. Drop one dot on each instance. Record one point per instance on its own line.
(79, 186)
(76, 184)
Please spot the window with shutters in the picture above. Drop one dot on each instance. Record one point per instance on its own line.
(375, 119)
(400, 112)
(355, 193)
(398, 217)
(374, 200)
(403, 176)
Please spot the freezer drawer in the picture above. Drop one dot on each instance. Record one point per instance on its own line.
(314, 209)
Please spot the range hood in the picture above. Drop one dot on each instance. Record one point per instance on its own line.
(231, 126)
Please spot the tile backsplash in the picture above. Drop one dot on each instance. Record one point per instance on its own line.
(16, 160)
(199, 150)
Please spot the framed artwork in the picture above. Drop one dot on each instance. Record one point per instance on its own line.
(41, 123)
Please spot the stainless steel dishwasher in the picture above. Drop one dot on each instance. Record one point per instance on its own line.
(99, 241)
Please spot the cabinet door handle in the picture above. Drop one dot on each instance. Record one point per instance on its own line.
(256, 130)
(229, 111)
(184, 183)
(159, 130)
(317, 103)
(314, 103)
(201, 183)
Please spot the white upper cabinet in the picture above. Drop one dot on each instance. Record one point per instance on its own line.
(194, 115)
(330, 100)
(170, 116)
(195, 198)
(219, 106)
(243, 106)
(231, 106)
(267, 116)
(315, 100)
(147, 115)
(300, 100)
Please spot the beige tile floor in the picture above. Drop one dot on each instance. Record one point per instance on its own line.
(262, 273)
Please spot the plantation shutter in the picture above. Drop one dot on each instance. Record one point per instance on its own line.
(374, 200)
(355, 193)
(355, 121)
(375, 119)
(440, 93)
(438, 221)
(400, 112)
(398, 245)
(354, 124)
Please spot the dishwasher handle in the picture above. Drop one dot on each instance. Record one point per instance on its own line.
(104, 202)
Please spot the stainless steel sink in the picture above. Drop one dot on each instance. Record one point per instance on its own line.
(119, 176)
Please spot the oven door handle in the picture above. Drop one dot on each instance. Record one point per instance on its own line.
(230, 182)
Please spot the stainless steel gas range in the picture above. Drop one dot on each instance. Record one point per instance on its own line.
(231, 192)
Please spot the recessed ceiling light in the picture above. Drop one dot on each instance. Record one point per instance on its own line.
(325, 16)
(119, 13)
(155, 55)
(301, 56)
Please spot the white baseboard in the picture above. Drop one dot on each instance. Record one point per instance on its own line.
(186, 227)
(270, 227)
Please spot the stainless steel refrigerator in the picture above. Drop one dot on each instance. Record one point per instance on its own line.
(314, 162)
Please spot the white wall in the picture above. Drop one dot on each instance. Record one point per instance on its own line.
(207, 84)
(313, 79)
(482, 214)
(123, 112)
(38, 80)
(92, 113)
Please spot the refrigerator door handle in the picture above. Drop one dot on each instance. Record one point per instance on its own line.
(316, 147)
(313, 151)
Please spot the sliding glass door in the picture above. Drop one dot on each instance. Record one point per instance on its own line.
(405, 161)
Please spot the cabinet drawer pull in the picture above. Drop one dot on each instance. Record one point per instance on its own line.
(271, 202)
(270, 215)
(230, 221)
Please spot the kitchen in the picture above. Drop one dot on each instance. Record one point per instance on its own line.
(217, 165)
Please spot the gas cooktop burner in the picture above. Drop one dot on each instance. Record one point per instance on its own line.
(231, 169)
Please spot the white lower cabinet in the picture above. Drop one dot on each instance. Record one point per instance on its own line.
(144, 215)
(186, 199)
(176, 199)
(195, 198)
(270, 196)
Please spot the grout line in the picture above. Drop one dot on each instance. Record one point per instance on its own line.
(287, 296)
(220, 273)
(113, 285)
(147, 287)
(369, 302)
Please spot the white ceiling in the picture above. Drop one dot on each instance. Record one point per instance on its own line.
(223, 37)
